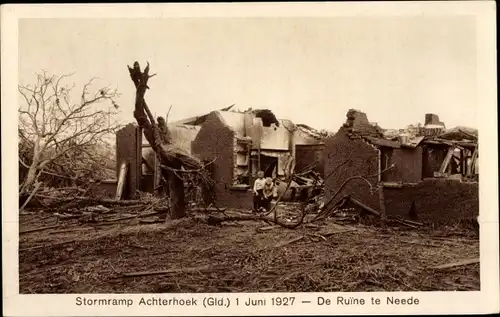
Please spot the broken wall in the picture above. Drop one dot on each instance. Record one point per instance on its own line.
(432, 119)
(235, 120)
(216, 140)
(432, 158)
(256, 132)
(357, 121)
(306, 155)
(275, 138)
(182, 136)
(357, 158)
(439, 202)
(407, 165)
(303, 138)
(128, 149)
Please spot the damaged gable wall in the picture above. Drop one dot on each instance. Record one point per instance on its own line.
(216, 141)
(357, 121)
(362, 159)
(440, 202)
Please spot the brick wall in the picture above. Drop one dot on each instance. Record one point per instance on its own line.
(128, 149)
(358, 122)
(437, 201)
(364, 160)
(433, 119)
(216, 140)
(305, 155)
(432, 158)
(407, 166)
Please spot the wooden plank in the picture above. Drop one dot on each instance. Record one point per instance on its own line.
(331, 233)
(156, 174)
(382, 207)
(404, 223)
(456, 264)
(205, 268)
(47, 246)
(472, 166)
(383, 142)
(121, 181)
(414, 222)
(413, 143)
(422, 243)
(463, 162)
(447, 160)
(137, 168)
(264, 229)
(392, 185)
(365, 207)
(285, 243)
(70, 230)
(439, 175)
(39, 229)
(472, 136)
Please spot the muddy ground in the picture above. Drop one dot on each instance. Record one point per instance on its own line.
(84, 257)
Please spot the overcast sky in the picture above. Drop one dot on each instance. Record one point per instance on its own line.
(309, 70)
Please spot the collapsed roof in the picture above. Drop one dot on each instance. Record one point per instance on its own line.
(233, 117)
(433, 132)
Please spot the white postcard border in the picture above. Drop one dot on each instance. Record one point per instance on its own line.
(484, 301)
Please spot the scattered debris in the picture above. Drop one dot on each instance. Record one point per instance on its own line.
(456, 264)
(285, 243)
(46, 246)
(205, 268)
(421, 243)
(336, 257)
(38, 229)
(342, 258)
(331, 233)
(268, 228)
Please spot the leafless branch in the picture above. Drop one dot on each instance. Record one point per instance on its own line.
(348, 180)
(52, 129)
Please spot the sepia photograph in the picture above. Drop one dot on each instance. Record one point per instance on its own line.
(258, 154)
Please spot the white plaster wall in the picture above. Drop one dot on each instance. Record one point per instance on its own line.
(275, 138)
(182, 136)
(235, 120)
(300, 137)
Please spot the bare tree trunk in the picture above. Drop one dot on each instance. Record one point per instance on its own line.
(176, 191)
(31, 177)
(29, 181)
(157, 135)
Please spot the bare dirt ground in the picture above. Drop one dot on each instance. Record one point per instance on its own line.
(77, 257)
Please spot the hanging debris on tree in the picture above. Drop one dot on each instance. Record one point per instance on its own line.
(174, 161)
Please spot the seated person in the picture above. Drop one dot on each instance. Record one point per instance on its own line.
(268, 193)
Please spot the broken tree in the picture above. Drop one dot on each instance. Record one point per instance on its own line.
(62, 142)
(173, 161)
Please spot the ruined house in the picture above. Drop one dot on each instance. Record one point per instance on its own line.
(238, 144)
(429, 175)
